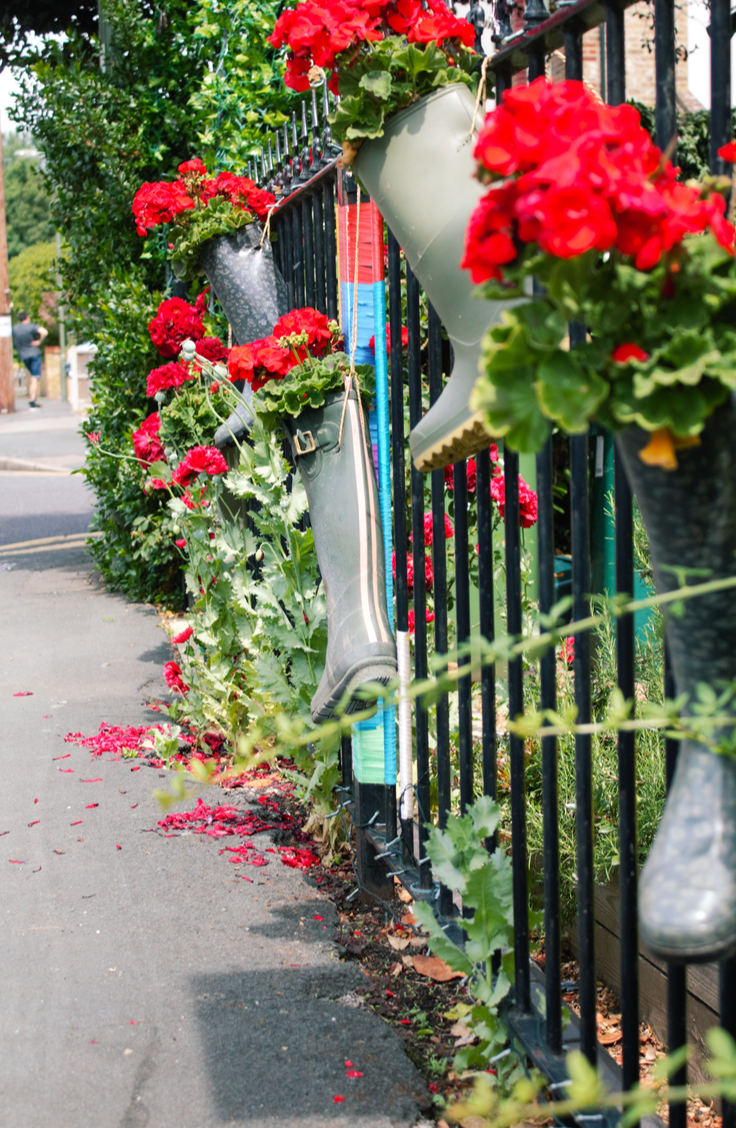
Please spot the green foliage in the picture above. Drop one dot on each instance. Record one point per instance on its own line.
(27, 205)
(390, 77)
(682, 321)
(242, 95)
(693, 140)
(33, 284)
(484, 881)
(307, 385)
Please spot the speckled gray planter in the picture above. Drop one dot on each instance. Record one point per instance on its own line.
(251, 291)
(687, 890)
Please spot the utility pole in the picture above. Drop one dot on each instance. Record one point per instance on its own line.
(7, 392)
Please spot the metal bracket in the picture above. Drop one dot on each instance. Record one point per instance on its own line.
(306, 435)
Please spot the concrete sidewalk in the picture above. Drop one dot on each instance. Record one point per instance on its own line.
(45, 439)
(144, 983)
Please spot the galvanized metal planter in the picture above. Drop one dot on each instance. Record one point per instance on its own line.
(687, 891)
(251, 291)
(420, 174)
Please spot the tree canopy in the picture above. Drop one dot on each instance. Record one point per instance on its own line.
(27, 205)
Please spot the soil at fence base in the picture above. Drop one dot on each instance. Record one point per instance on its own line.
(651, 1049)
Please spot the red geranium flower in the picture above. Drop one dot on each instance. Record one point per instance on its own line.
(146, 443)
(167, 376)
(212, 349)
(622, 354)
(310, 321)
(199, 460)
(159, 203)
(174, 322)
(259, 362)
(404, 339)
(528, 504)
(194, 167)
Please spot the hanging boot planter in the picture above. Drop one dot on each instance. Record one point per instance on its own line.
(341, 488)
(687, 889)
(214, 231)
(312, 392)
(420, 175)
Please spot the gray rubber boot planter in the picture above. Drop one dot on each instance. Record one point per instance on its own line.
(420, 175)
(343, 509)
(251, 291)
(687, 890)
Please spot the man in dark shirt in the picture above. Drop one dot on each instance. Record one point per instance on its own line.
(26, 338)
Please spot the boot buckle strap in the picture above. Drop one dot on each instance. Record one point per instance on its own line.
(306, 437)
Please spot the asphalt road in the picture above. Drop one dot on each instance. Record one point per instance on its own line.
(144, 983)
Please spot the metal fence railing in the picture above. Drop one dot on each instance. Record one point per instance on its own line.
(301, 167)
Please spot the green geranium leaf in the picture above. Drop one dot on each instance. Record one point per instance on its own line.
(505, 390)
(377, 83)
(569, 391)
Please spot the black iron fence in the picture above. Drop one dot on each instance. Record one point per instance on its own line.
(300, 165)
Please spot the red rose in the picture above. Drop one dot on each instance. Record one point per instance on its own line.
(199, 460)
(404, 339)
(428, 526)
(528, 504)
(146, 443)
(412, 618)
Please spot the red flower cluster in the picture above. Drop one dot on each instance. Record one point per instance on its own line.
(428, 570)
(199, 460)
(163, 201)
(428, 525)
(267, 359)
(173, 678)
(528, 506)
(471, 471)
(318, 32)
(175, 321)
(212, 349)
(585, 176)
(167, 376)
(622, 354)
(146, 443)
(183, 636)
(404, 339)
(412, 619)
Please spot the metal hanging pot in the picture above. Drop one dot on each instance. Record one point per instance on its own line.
(687, 890)
(420, 175)
(249, 287)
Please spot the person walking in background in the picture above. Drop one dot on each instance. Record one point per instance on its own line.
(26, 338)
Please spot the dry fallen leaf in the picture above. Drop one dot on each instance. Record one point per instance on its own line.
(435, 968)
(397, 943)
(418, 942)
(408, 919)
(610, 1038)
(405, 896)
(407, 961)
(396, 968)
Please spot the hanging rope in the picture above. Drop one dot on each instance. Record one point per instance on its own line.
(353, 375)
(481, 96)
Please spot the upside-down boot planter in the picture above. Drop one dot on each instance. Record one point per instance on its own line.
(687, 890)
(343, 509)
(420, 175)
(251, 291)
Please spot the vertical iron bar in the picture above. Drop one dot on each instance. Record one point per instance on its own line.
(462, 621)
(665, 113)
(487, 625)
(298, 245)
(418, 556)
(615, 54)
(720, 81)
(727, 1012)
(624, 553)
(320, 298)
(397, 432)
(548, 694)
(573, 51)
(676, 972)
(579, 513)
(308, 230)
(287, 255)
(439, 567)
(537, 63)
(330, 246)
(516, 743)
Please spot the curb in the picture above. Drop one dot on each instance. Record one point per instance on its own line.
(25, 464)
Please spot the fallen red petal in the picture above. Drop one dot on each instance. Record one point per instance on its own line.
(137, 769)
(348, 1065)
(93, 1042)
(353, 1073)
(405, 1021)
(90, 806)
(16, 861)
(133, 806)
(118, 847)
(23, 693)
(432, 1087)
(65, 769)
(134, 1022)
(77, 823)
(35, 800)
(91, 780)
(338, 1099)
(35, 822)
(65, 757)
(318, 917)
